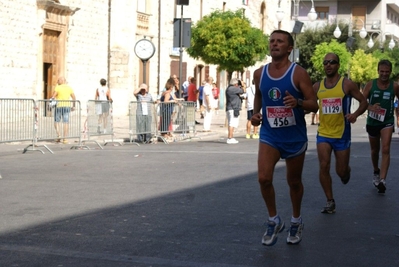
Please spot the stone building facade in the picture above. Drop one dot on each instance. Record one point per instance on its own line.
(86, 40)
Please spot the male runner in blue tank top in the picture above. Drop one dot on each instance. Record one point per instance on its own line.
(283, 92)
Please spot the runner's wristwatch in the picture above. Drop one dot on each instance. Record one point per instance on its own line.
(299, 102)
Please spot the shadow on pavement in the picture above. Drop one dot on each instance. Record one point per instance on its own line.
(214, 222)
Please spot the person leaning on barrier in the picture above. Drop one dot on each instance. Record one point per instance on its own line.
(166, 110)
(143, 113)
(193, 93)
(103, 97)
(171, 80)
(63, 94)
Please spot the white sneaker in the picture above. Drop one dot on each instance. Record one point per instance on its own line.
(376, 178)
(231, 141)
(295, 233)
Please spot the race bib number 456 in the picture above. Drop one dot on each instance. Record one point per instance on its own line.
(331, 105)
(280, 117)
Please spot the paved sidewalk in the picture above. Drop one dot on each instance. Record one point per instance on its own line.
(121, 131)
(218, 127)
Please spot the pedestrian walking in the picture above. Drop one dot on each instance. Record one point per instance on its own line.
(250, 96)
(63, 93)
(233, 108)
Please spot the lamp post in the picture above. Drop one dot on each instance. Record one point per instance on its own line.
(312, 16)
(362, 32)
(391, 44)
(279, 14)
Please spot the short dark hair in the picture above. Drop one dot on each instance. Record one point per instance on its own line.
(385, 62)
(103, 82)
(289, 36)
(332, 53)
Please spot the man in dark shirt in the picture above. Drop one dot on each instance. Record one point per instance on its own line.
(233, 107)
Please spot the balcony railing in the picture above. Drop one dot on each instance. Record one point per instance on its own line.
(143, 22)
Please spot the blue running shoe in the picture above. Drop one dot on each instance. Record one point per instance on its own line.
(273, 228)
(295, 233)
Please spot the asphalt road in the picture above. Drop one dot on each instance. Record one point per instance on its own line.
(192, 203)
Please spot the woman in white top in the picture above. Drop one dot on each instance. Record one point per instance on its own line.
(103, 102)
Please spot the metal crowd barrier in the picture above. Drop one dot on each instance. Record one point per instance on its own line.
(17, 120)
(58, 121)
(142, 122)
(176, 121)
(99, 121)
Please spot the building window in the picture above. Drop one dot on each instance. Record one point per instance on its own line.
(142, 6)
(322, 12)
(262, 16)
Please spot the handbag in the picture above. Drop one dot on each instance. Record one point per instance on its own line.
(236, 113)
(215, 93)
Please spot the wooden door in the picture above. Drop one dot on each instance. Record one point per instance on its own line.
(359, 17)
(47, 80)
(51, 47)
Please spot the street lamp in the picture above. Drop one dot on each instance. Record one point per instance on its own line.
(362, 33)
(391, 44)
(279, 14)
(312, 15)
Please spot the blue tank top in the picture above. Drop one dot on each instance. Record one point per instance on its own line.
(281, 124)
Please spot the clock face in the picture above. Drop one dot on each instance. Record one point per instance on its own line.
(144, 49)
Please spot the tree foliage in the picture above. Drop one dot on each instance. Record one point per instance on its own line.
(332, 47)
(228, 40)
(359, 68)
(306, 42)
(363, 67)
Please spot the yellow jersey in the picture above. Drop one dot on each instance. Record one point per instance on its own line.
(334, 104)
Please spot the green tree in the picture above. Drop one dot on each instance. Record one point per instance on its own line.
(394, 54)
(363, 67)
(228, 40)
(332, 47)
(307, 41)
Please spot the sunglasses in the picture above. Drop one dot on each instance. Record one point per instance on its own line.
(331, 61)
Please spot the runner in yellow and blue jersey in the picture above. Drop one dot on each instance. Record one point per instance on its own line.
(334, 132)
